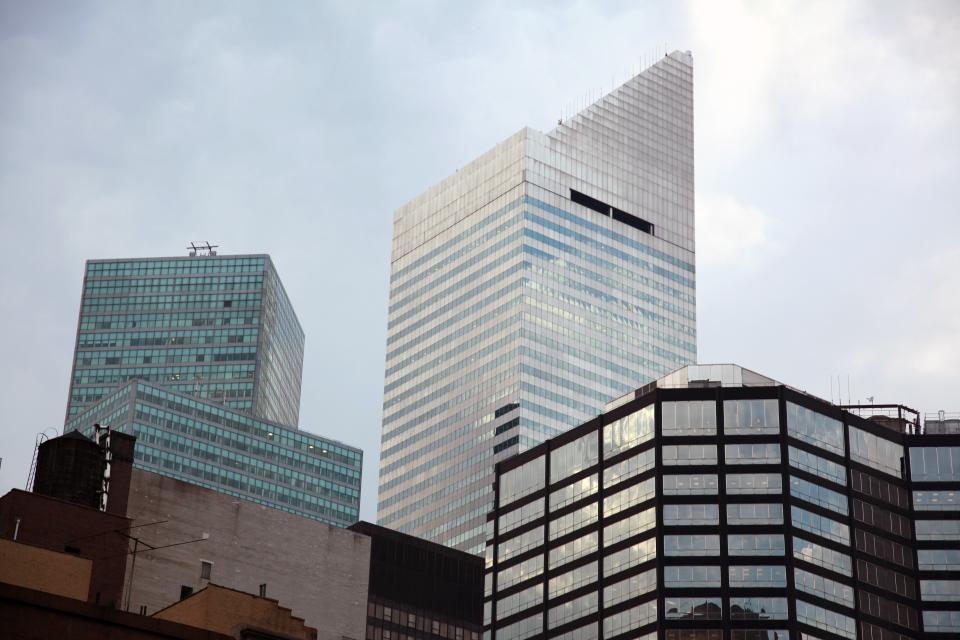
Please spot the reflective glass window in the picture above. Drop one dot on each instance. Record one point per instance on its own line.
(571, 610)
(751, 453)
(691, 514)
(938, 529)
(527, 513)
(631, 619)
(629, 557)
(690, 484)
(755, 544)
(939, 559)
(572, 492)
(630, 526)
(760, 634)
(941, 621)
(573, 550)
(758, 575)
(628, 497)
(692, 608)
(811, 492)
(629, 468)
(573, 457)
(529, 597)
(945, 500)
(823, 587)
(530, 568)
(573, 579)
(820, 466)
(819, 525)
(689, 454)
(755, 513)
(815, 428)
(629, 588)
(522, 629)
(687, 576)
(935, 464)
(691, 545)
(876, 452)
(751, 417)
(754, 483)
(826, 619)
(522, 481)
(694, 418)
(755, 608)
(577, 518)
(628, 431)
(518, 544)
(822, 556)
(940, 590)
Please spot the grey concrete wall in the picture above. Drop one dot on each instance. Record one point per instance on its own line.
(318, 571)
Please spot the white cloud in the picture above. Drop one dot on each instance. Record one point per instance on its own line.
(729, 231)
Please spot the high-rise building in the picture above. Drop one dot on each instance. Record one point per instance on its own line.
(551, 274)
(214, 327)
(718, 504)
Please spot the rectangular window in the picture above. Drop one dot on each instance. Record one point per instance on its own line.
(520, 630)
(630, 526)
(573, 550)
(573, 457)
(633, 618)
(817, 524)
(822, 556)
(881, 518)
(754, 483)
(691, 545)
(694, 418)
(935, 464)
(567, 582)
(754, 608)
(886, 579)
(516, 574)
(876, 452)
(629, 468)
(821, 467)
(529, 597)
(691, 514)
(755, 513)
(821, 496)
(518, 517)
(689, 576)
(883, 548)
(687, 455)
(522, 481)
(691, 484)
(760, 576)
(629, 557)
(630, 588)
(945, 500)
(815, 428)
(206, 568)
(519, 544)
(937, 529)
(939, 559)
(751, 417)
(821, 587)
(941, 621)
(572, 609)
(940, 590)
(755, 544)
(573, 492)
(826, 619)
(626, 498)
(693, 608)
(751, 453)
(628, 431)
(574, 520)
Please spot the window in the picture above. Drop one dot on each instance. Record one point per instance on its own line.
(185, 591)
(755, 544)
(700, 634)
(529, 597)
(876, 452)
(629, 620)
(823, 587)
(886, 520)
(692, 484)
(887, 579)
(628, 497)
(880, 489)
(752, 513)
(573, 457)
(630, 526)
(628, 431)
(573, 492)
(519, 544)
(751, 453)
(751, 417)
(763, 483)
(761, 576)
(822, 556)
(759, 634)
(520, 630)
(883, 548)
(629, 588)
(819, 525)
(934, 464)
(573, 550)
(939, 559)
(814, 493)
(518, 517)
(576, 519)
(945, 500)
(815, 428)
(522, 481)
(516, 574)
(572, 609)
(818, 466)
(690, 514)
(687, 576)
(754, 608)
(937, 529)
(826, 619)
(692, 454)
(941, 621)
(696, 418)
(691, 545)
(695, 608)
(629, 468)
(629, 557)
(205, 569)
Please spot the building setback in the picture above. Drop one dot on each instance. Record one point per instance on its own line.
(216, 327)
(716, 504)
(549, 275)
(230, 451)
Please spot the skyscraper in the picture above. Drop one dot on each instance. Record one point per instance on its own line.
(551, 274)
(215, 327)
(717, 503)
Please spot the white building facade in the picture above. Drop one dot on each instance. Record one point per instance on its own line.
(550, 275)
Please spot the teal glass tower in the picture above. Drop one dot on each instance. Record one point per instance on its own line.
(215, 327)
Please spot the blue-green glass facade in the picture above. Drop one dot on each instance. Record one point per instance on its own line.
(215, 327)
(204, 443)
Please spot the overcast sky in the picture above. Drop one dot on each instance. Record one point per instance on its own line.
(827, 159)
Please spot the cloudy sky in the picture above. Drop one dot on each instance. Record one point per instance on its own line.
(827, 153)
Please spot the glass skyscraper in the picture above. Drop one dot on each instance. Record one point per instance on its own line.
(551, 274)
(719, 504)
(215, 327)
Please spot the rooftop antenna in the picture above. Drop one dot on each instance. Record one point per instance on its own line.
(202, 249)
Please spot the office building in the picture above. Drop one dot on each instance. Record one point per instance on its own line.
(718, 504)
(215, 327)
(549, 275)
(230, 451)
